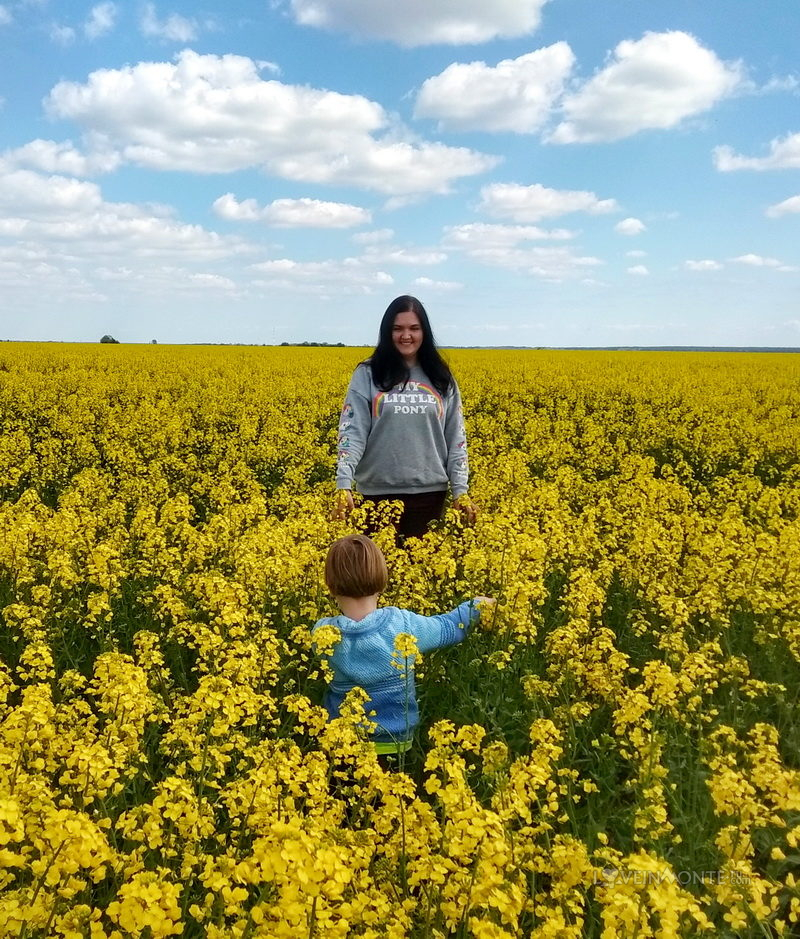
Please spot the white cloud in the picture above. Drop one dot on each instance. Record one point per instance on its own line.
(636, 254)
(168, 277)
(638, 270)
(377, 236)
(62, 244)
(387, 255)
(533, 203)
(655, 82)
(555, 264)
(5, 16)
(351, 275)
(174, 28)
(757, 260)
(50, 283)
(101, 20)
(423, 22)
(215, 114)
(480, 235)
(705, 265)
(784, 154)
(787, 207)
(437, 285)
(62, 35)
(52, 157)
(780, 83)
(293, 213)
(214, 281)
(71, 215)
(630, 226)
(165, 278)
(27, 195)
(508, 247)
(515, 95)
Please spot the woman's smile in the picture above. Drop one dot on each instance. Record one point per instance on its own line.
(407, 336)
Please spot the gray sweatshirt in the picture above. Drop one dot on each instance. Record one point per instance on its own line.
(405, 440)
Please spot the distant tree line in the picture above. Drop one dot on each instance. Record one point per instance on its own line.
(333, 344)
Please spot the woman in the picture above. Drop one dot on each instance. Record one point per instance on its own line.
(401, 434)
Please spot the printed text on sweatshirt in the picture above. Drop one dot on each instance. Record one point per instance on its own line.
(409, 439)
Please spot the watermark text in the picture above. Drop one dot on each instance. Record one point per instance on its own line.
(638, 878)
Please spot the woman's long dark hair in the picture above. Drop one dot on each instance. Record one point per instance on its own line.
(388, 367)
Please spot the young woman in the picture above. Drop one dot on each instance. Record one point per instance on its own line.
(401, 433)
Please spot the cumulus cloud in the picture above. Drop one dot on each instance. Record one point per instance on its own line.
(508, 247)
(22, 273)
(515, 95)
(780, 83)
(533, 203)
(215, 114)
(101, 20)
(167, 277)
(377, 236)
(62, 242)
(52, 157)
(482, 235)
(175, 28)
(352, 275)
(705, 265)
(784, 153)
(57, 210)
(653, 82)
(630, 226)
(62, 35)
(554, 264)
(757, 260)
(292, 213)
(789, 206)
(442, 286)
(213, 281)
(423, 22)
(387, 254)
(638, 270)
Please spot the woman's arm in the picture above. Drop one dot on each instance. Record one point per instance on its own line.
(354, 426)
(455, 436)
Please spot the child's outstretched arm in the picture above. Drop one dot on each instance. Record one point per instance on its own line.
(445, 629)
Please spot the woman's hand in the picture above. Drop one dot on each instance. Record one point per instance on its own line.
(467, 508)
(342, 506)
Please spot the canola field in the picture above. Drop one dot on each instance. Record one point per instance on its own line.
(615, 752)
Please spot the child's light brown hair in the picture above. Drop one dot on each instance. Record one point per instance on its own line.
(355, 567)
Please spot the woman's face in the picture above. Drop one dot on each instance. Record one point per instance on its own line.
(407, 336)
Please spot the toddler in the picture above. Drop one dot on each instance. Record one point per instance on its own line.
(355, 572)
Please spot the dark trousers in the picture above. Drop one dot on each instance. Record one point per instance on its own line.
(419, 510)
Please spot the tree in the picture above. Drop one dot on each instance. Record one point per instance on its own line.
(108, 338)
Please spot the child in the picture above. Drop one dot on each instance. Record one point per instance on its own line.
(355, 572)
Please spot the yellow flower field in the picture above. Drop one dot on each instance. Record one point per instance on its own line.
(614, 752)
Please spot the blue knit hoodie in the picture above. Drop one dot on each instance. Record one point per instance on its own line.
(363, 658)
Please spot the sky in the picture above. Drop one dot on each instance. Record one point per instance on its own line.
(537, 172)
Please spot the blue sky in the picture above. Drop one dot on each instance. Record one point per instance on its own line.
(537, 172)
